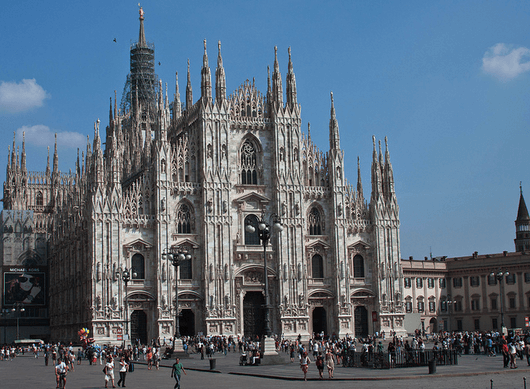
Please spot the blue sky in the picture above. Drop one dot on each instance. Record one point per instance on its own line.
(447, 81)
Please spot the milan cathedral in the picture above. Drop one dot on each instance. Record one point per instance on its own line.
(189, 176)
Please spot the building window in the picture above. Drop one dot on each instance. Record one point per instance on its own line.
(39, 200)
(458, 306)
(494, 303)
(443, 305)
(407, 282)
(442, 283)
(432, 306)
(421, 306)
(527, 278)
(510, 279)
(252, 238)
(358, 266)
(494, 324)
(138, 265)
(249, 173)
(419, 282)
(185, 269)
(408, 306)
(492, 279)
(513, 322)
(459, 324)
(430, 283)
(183, 220)
(457, 282)
(315, 222)
(477, 324)
(475, 304)
(318, 266)
(474, 281)
(511, 302)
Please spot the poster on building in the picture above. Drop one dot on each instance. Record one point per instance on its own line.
(24, 287)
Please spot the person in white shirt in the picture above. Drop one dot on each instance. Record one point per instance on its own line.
(109, 372)
(60, 372)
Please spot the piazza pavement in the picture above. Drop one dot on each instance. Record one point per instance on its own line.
(472, 371)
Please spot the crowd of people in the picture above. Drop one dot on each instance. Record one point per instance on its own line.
(324, 351)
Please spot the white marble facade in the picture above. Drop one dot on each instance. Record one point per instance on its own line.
(190, 176)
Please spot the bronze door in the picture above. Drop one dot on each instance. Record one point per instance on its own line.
(254, 314)
(139, 327)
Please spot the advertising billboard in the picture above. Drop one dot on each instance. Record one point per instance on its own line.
(24, 287)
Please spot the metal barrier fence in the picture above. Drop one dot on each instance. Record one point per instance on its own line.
(387, 360)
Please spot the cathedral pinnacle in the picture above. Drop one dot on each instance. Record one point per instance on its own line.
(141, 38)
(220, 78)
(334, 139)
(206, 77)
(189, 93)
(291, 83)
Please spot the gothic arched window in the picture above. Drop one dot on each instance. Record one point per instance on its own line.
(39, 200)
(183, 219)
(138, 267)
(315, 222)
(249, 174)
(358, 266)
(252, 238)
(317, 265)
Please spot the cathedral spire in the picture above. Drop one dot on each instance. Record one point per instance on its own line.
(14, 154)
(141, 38)
(206, 77)
(277, 89)
(334, 139)
(177, 111)
(291, 83)
(48, 164)
(189, 93)
(55, 159)
(220, 78)
(269, 90)
(359, 182)
(23, 155)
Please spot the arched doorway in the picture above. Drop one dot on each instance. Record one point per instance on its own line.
(319, 321)
(139, 327)
(187, 323)
(254, 314)
(433, 326)
(361, 321)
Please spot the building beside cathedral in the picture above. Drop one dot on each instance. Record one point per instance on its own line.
(472, 293)
(189, 176)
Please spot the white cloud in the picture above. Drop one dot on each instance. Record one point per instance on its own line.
(506, 62)
(41, 135)
(17, 97)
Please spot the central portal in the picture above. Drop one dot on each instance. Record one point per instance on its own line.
(254, 314)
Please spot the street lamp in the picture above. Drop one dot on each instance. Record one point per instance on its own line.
(126, 277)
(264, 234)
(4, 313)
(499, 276)
(18, 307)
(176, 256)
(450, 306)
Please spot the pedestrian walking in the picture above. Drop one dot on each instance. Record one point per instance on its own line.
(176, 372)
(304, 364)
(109, 372)
(123, 372)
(330, 363)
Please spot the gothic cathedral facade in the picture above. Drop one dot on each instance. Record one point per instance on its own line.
(189, 176)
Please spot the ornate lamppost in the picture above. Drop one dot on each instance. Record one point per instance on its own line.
(176, 256)
(126, 277)
(499, 274)
(450, 306)
(4, 313)
(264, 234)
(18, 307)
